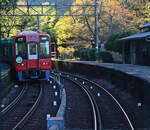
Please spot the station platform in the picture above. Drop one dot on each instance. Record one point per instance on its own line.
(4, 69)
(142, 72)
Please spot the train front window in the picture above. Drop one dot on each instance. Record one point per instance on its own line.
(44, 48)
(32, 49)
(21, 49)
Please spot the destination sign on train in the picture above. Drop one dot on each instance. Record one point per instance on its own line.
(43, 38)
(20, 39)
(32, 37)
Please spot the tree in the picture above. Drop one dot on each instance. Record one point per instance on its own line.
(7, 23)
(115, 17)
(145, 15)
(71, 28)
(28, 22)
(48, 22)
(112, 44)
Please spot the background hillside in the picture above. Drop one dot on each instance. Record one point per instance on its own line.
(116, 19)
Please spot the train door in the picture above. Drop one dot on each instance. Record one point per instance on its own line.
(32, 55)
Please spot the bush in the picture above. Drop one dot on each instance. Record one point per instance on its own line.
(83, 55)
(112, 44)
(91, 55)
(105, 56)
(76, 53)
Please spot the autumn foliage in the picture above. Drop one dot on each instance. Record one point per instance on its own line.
(77, 31)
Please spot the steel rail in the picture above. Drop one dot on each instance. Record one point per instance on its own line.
(93, 103)
(121, 108)
(30, 112)
(3, 75)
(114, 99)
(14, 102)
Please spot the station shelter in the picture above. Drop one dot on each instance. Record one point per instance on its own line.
(136, 48)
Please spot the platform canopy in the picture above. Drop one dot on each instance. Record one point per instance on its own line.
(145, 26)
(136, 36)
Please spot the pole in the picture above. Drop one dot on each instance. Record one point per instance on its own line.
(55, 51)
(0, 32)
(96, 26)
(38, 23)
(0, 23)
(0, 42)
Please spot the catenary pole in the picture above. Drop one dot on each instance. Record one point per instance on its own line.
(96, 26)
(38, 24)
(0, 32)
(0, 23)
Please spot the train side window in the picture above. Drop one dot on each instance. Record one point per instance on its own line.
(5, 51)
(1, 51)
(8, 51)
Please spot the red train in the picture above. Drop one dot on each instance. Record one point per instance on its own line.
(32, 55)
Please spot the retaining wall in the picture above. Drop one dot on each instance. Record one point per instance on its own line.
(138, 87)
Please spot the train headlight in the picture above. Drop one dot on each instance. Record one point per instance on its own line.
(20, 64)
(45, 63)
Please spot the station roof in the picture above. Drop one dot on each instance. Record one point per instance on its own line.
(145, 26)
(136, 36)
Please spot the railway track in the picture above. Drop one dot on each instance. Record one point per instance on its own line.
(107, 108)
(14, 102)
(19, 111)
(38, 119)
(96, 115)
